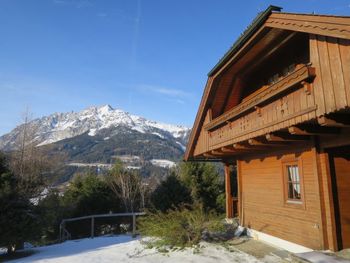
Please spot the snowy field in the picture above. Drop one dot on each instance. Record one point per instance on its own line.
(125, 249)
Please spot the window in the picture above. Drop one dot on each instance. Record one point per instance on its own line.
(293, 183)
(293, 186)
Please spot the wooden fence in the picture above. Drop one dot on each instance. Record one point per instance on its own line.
(64, 234)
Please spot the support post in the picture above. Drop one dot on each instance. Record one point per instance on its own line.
(92, 226)
(61, 232)
(133, 225)
(229, 204)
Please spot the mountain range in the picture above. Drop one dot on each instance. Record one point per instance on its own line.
(96, 136)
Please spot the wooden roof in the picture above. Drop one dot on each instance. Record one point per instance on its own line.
(267, 21)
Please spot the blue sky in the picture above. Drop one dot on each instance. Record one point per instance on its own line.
(148, 57)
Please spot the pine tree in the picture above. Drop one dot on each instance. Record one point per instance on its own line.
(170, 193)
(17, 220)
(204, 181)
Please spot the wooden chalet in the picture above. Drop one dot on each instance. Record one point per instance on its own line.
(277, 107)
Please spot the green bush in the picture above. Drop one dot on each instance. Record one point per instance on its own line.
(179, 228)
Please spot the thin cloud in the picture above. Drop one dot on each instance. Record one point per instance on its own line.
(101, 14)
(75, 3)
(179, 101)
(166, 91)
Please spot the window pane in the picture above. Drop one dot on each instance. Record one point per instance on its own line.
(290, 173)
(297, 191)
(294, 191)
(296, 174)
(290, 191)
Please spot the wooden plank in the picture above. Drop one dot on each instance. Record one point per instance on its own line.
(320, 196)
(341, 163)
(217, 153)
(333, 122)
(256, 142)
(317, 85)
(337, 73)
(311, 27)
(228, 150)
(313, 131)
(332, 20)
(239, 191)
(327, 79)
(286, 138)
(229, 204)
(344, 49)
(328, 202)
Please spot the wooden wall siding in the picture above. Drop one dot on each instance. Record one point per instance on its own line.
(264, 205)
(202, 144)
(326, 184)
(289, 110)
(342, 174)
(331, 59)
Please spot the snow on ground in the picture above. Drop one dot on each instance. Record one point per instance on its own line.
(182, 146)
(126, 249)
(158, 134)
(163, 163)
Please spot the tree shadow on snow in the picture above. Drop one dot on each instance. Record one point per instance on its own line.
(73, 247)
(16, 255)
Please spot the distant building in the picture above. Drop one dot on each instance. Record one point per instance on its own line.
(276, 106)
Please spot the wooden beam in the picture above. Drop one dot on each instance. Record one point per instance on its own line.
(228, 150)
(245, 147)
(319, 130)
(240, 146)
(334, 121)
(216, 152)
(208, 155)
(271, 137)
(256, 142)
(229, 203)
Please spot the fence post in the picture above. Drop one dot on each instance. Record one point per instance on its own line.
(92, 226)
(133, 224)
(61, 232)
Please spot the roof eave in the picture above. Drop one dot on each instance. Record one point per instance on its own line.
(258, 21)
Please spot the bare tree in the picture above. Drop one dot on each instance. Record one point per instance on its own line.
(28, 162)
(126, 185)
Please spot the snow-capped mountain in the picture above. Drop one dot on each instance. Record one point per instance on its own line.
(93, 138)
(93, 121)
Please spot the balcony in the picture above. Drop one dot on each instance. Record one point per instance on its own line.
(287, 102)
(262, 95)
